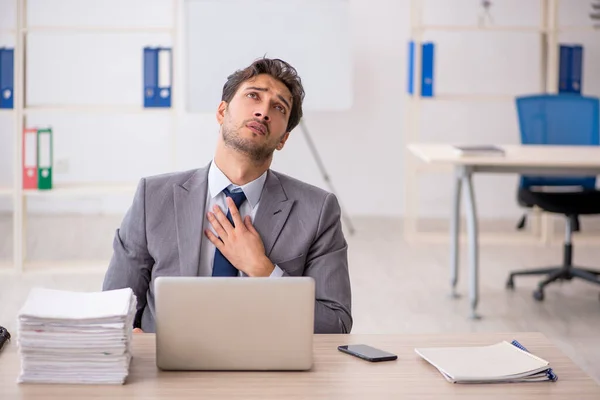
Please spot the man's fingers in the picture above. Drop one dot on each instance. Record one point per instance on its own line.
(214, 240)
(137, 330)
(235, 213)
(215, 221)
(222, 218)
(249, 226)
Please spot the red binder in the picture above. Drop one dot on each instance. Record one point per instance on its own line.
(30, 172)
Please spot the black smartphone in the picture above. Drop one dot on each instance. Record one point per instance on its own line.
(367, 352)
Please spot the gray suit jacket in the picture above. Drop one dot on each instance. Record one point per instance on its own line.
(299, 224)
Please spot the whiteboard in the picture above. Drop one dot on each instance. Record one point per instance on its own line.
(222, 36)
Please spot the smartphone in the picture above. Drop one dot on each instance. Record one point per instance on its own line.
(367, 352)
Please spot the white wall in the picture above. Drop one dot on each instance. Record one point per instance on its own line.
(361, 148)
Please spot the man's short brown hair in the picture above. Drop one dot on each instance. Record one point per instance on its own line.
(279, 70)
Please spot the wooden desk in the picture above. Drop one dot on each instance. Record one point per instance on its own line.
(335, 375)
(518, 159)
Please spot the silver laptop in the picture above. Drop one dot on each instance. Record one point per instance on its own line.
(244, 324)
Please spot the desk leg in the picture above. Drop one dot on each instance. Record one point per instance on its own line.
(473, 242)
(454, 234)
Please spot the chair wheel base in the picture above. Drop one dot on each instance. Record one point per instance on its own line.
(538, 295)
(510, 283)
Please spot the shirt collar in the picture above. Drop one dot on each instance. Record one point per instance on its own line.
(217, 181)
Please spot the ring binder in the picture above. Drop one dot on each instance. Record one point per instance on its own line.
(7, 78)
(551, 375)
(45, 158)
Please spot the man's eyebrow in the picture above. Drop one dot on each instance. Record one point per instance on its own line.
(262, 89)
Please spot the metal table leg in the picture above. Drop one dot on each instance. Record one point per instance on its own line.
(473, 242)
(454, 233)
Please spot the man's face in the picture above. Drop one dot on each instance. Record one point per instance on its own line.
(255, 120)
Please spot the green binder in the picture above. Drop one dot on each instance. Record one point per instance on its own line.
(45, 157)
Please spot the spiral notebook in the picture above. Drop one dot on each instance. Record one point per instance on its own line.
(499, 363)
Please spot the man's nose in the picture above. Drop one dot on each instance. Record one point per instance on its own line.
(263, 114)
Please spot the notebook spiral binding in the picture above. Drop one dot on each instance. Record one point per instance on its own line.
(549, 373)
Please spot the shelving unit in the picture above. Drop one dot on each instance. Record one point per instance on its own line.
(22, 111)
(548, 31)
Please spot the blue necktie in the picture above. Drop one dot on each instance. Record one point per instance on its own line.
(221, 265)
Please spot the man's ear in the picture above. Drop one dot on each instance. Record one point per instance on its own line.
(221, 112)
(284, 139)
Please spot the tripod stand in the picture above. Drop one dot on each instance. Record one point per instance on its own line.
(321, 166)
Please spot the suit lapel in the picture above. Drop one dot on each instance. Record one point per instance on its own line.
(190, 201)
(273, 211)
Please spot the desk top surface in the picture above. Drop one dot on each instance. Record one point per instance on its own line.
(515, 155)
(335, 375)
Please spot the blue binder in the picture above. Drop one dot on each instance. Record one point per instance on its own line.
(576, 69)
(564, 69)
(427, 70)
(158, 68)
(411, 66)
(7, 77)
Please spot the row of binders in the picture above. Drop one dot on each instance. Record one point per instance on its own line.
(158, 76)
(157, 69)
(569, 77)
(427, 71)
(38, 153)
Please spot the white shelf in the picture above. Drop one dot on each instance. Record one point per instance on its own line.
(4, 191)
(53, 267)
(8, 31)
(67, 267)
(7, 110)
(578, 29)
(475, 28)
(469, 97)
(81, 190)
(531, 29)
(99, 109)
(98, 29)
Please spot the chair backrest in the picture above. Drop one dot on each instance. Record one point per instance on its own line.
(563, 119)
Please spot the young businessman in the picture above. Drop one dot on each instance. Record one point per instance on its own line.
(236, 217)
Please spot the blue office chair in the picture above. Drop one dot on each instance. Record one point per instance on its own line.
(559, 120)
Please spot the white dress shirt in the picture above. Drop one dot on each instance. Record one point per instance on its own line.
(217, 181)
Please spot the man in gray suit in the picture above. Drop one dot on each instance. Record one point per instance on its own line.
(237, 217)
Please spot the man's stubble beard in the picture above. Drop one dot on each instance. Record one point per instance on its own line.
(256, 152)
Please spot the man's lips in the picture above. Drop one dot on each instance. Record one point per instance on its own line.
(257, 127)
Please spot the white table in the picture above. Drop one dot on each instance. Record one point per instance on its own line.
(518, 159)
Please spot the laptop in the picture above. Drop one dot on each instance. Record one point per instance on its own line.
(242, 324)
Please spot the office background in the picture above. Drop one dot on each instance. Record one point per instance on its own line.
(79, 82)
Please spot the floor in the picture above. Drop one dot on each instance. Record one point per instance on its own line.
(397, 287)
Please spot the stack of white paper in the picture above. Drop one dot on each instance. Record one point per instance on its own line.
(76, 337)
